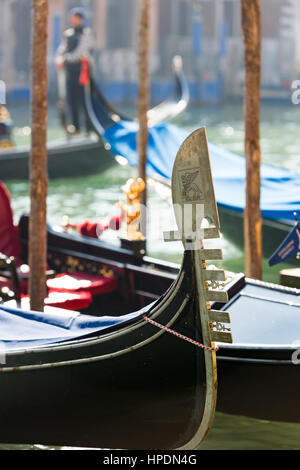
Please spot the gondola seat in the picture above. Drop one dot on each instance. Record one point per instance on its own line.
(81, 282)
(68, 300)
(69, 291)
(78, 300)
(9, 238)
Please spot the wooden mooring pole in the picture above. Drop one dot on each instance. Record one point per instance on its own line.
(38, 156)
(143, 92)
(252, 215)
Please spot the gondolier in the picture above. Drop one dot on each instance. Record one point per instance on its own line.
(71, 56)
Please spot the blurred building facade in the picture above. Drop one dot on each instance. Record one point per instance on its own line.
(206, 33)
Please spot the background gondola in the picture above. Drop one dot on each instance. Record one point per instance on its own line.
(83, 155)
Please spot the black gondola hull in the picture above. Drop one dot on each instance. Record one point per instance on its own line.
(121, 404)
(273, 231)
(249, 379)
(259, 389)
(135, 388)
(66, 159)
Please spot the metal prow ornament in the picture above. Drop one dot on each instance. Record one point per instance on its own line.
(194, 203)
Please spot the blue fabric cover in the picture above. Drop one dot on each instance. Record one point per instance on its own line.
(280, 193)
(25, 329)
(288, 248)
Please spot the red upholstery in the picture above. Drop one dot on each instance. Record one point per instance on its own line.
(9, 241)
(68, 300)
(69, 291)
(4, 282)
(75, 282)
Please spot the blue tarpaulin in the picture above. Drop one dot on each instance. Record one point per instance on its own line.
(25, 329)
(288, 248)
(280, 188)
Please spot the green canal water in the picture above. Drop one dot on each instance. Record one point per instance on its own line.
(94, 198)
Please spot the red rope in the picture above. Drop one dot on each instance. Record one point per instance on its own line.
(175, 333)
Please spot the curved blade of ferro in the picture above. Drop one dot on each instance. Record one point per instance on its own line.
(194, 201)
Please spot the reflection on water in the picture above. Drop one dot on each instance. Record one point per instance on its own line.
(232, 433)
(94, 198)
(240, 433)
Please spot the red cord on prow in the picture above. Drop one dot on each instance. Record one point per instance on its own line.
(91, 229)
(95, 229)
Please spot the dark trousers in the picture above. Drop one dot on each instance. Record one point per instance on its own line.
(75, 96)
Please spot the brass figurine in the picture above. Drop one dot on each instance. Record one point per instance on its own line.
(131, 211)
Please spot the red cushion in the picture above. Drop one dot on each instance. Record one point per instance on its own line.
(9, 240)
(68, 300)
(4, 282)
(82, 282)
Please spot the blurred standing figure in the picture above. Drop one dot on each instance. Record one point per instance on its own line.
(5, 128)
(75, 46)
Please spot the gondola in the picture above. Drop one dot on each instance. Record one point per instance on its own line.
(274, 231)
(67, 157)
(103, 114)
(139, 380)
(257, 373)
(279, 186)
(83, 155)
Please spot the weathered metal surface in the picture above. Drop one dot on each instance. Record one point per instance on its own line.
(192, 180)
(195, 208)
(219, 316)
(216, 296)
(221, 337)
(214, 275)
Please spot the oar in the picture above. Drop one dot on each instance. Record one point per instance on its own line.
(62, 99)
(143, 100)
